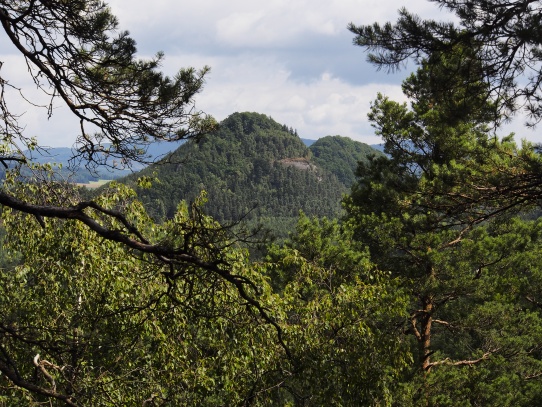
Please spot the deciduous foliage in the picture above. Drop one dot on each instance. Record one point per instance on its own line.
(429, 293)
(88, 321)
(342, 318)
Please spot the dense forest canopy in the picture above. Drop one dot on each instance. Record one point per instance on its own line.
(255, 166)
(426, 290)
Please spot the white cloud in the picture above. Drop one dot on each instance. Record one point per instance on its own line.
(325, 106)
(236, 28)
(240, 23)
(277, 24)
(25, 100)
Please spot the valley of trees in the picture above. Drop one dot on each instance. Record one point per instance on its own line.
(413, 280)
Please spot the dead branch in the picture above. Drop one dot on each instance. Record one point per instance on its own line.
(449, 362)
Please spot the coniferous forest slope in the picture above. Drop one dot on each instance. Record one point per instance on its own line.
(254, 164)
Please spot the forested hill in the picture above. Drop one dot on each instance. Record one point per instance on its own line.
(253, 161)
(340, 156)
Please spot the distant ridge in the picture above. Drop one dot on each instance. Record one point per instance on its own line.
(308, 142)
(379, 147)
(62, 155)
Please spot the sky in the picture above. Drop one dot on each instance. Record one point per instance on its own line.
(292, 60)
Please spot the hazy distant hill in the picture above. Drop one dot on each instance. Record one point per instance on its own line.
(253, 160)
(379, 147)
(62, 156)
